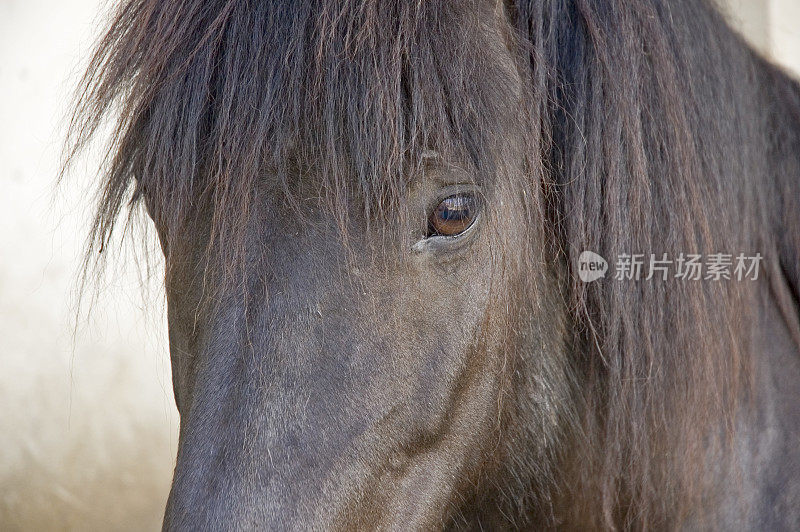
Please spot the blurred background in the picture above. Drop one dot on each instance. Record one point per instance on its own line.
(88, 427)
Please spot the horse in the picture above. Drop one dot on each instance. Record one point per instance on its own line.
(374, 217)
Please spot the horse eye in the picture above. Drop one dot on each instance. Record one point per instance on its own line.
(453, 215)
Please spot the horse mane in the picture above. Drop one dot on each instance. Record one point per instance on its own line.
(648, 125)
(662, 128)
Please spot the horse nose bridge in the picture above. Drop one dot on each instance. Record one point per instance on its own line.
(270, 415)
(242, 462)
(258, 464)
(251, 443)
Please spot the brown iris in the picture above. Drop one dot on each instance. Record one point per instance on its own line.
(453, 215)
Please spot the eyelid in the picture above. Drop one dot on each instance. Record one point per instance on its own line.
(456, 189)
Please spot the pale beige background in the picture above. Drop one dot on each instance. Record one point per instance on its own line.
(87, 422)
(772, 25)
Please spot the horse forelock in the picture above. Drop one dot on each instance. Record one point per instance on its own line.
(218, 98)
